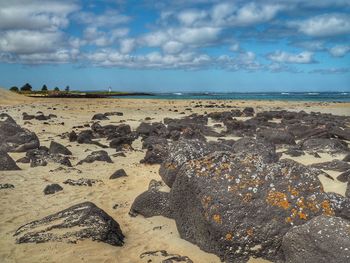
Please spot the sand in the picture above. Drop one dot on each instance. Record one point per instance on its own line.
(26, 202)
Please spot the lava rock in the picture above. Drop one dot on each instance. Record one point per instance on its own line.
(335, 165)
(101, 156)
(78, 222)
(239, 205)
(14, 138)
(100, 116)
(7, 163)
(81, 182)
(57, 148)
(151, 203)
(276, 136)
(321, 240)
(52, 188)
(332, 146)
(117, 174)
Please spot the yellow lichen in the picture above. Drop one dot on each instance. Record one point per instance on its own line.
(302, 215)
(229, 237)
(277, 199)
(217, 219)
(327, 208)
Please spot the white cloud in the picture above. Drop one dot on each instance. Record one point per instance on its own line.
(38, 14)
(324, 25)
(28, 41)
(305, 57)
(172, 47)
(339, 51)
(127, 45)
(189, 17)
(196, 36)
(234, 47)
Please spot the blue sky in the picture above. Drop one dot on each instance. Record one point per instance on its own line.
(162, 46)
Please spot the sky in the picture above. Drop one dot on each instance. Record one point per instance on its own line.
(172, 46)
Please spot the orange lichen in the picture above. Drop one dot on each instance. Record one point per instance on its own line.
(302, 215)
(247, 197)
(217, 219)
(250, 231)
(277, 199)
(229, 237)
(327, 208)
(293, 191)
(289, 219)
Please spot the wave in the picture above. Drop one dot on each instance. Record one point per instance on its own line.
(313, 93)
(285, 93)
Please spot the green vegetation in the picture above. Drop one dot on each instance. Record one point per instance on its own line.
(14, 89)
(68, 93)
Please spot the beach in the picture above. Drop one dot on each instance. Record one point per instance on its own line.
(26, 202)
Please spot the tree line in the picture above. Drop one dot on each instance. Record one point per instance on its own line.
(28, 88)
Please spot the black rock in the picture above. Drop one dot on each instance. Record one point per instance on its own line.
(332, 146)
(7, 163)
(52, 188)
(81, 182)
(239, 205)
(72, 136)
(164, 257)
(152, 203)
(344, 177)
(276, 136)
(6, 186)
(321, 240)
(101, 156)
(347, 158)
(335, 165)
(117, 174)
(24, 159)
(78, 222)
(14, 138)
(57, 148)
(99, 116)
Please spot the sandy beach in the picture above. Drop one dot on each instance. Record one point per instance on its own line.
(26, 202)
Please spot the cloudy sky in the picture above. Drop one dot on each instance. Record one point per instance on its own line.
(182, 45)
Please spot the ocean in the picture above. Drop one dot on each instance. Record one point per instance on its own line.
(285, 96)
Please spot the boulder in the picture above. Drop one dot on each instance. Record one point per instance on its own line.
(101, 156)
(78, 222)
(151, 203)
(100, 116)
(321, 240)
(14, 138)
(117, 174)
(52, 188)
(7, 163)
(276, 136)
(238, 205)
(57, 148)
(340, 205)
(332, 146)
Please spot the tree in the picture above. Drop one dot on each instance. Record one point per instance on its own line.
(44, 88)
(56, 89)
(26, 87)
(14, 89)
(67, 89)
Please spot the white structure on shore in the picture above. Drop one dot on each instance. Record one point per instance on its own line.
(109, 90)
